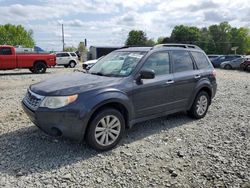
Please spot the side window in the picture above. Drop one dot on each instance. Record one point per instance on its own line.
(64, 55)
(59, 55)
(201, 60)
(73, 54)
(182, 61)
(5, 51)
(159, 62)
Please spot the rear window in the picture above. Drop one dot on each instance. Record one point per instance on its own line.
(5, 51)
(73, 54)
(182, 61)
(201, 60)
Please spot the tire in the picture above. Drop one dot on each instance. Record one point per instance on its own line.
(72, 64)
(39, 68)
(99, 136)
(228, 67)
(31, 70)
(66, 66)
(200, 105)
(248, 68)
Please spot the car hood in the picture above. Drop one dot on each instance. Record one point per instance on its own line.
(225, 62)
(72, 83)
(90, 62)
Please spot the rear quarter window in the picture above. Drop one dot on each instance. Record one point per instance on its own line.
(201, 60)
(5, 51)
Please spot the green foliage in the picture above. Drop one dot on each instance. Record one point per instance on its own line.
(70, 49)
(82, 50)
(138, 37)
(185, 34)
(16, 35)
(215, 39)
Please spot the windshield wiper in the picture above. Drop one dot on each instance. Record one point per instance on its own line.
(97, 73)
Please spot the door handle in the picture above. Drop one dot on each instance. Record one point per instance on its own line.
(197, 76)
(170, 82)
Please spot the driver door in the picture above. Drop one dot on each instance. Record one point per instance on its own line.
(154, 96)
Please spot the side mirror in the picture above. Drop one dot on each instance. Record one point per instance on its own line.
(147, 74)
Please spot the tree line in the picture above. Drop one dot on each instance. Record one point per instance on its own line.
(215, 39)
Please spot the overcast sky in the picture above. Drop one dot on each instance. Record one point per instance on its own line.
(107, 22)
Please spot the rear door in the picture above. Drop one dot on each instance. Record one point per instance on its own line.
(154, 96)
(186, 77)
(7, 58)
(62, 58)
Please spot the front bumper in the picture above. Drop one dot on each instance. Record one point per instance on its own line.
(58, 122)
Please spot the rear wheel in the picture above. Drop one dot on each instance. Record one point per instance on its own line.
(248, 68)
(105, 130)
(228, 67)
(39, 68)
(72, 64)
(200, 105)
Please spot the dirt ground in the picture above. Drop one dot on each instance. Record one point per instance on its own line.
(173, 151)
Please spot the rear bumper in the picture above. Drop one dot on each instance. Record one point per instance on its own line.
(214, 90)
(58, 123)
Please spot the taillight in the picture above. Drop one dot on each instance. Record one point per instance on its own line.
(214, 73)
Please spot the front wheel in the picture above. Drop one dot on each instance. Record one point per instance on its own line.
(105, 130)
(200, 105)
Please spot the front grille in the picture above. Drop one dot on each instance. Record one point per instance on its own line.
(32, 100)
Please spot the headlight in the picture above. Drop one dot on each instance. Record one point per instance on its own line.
(58, 102)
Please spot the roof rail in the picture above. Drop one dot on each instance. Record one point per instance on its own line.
(177, 45)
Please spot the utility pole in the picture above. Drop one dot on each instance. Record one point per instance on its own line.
(63, 37)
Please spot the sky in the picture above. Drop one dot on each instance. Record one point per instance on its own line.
(107, 22)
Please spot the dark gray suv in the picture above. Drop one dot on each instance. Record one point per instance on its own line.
(127, 86)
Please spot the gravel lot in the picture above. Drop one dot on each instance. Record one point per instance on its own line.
(173, 151)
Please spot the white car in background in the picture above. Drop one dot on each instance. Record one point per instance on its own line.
(88, 64)
(67, 59)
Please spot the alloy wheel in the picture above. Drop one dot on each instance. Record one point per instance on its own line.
(107, 130)
(202, 104)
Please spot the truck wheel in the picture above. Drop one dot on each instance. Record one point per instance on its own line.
(105, 130)
(200, 105)
(72, 64)
(39, 68)
(31, 70)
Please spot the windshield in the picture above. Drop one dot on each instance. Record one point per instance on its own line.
(117, 64)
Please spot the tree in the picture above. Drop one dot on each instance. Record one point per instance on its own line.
(163, 40)
(136, 37)
(16, 35)
(70, 49)
(185, 34)
(82, 50)
(221, 36)
(239, 38)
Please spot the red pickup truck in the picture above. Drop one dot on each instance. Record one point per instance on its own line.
(36, 63)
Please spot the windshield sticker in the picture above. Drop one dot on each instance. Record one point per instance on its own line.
(139, 56)
(123, 72)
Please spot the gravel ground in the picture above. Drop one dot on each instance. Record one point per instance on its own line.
(173, 151)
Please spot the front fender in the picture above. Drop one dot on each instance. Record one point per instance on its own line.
(102, 98)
